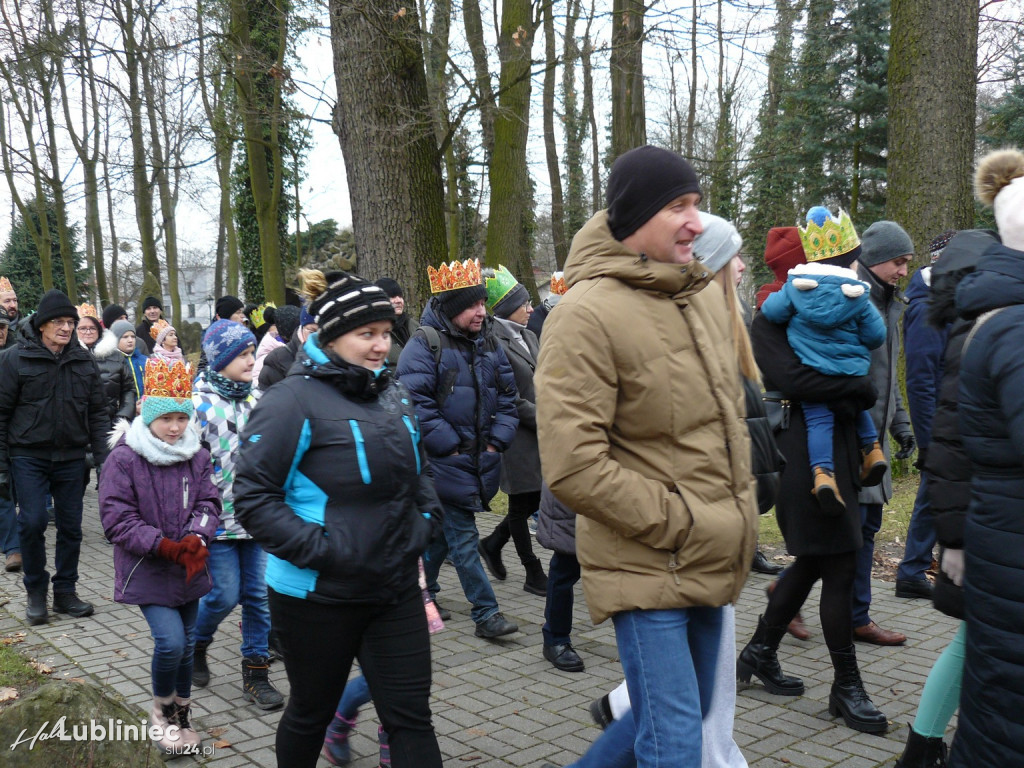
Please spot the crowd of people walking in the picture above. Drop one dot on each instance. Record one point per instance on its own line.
(321, 463)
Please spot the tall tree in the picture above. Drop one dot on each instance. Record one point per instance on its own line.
(577, 203)
(550, 145)
(19, 260)
(385, 127)
(510, 223)
(629, 119)
(932, 106)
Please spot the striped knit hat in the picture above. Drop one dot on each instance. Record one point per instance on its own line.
(349, 302)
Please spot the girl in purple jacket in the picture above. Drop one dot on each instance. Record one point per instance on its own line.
(159, 508)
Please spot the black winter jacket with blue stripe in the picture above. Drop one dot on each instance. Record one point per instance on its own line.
(333, 482)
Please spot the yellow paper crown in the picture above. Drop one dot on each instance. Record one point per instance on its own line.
(448, 277)
(84, 310)
(163, 380)
(5, 285)
(158, 326)
(256, 316)
(834, 237)
(558, 285)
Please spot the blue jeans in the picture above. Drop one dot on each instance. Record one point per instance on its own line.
(917, 556)
(820, 425)
(614, 747)
(871, 521)
(563, 573)
(238, 570)
(669, 658)
(460, 543)
(356, 693)
(174, 641)
(9, 528)
(34, 479)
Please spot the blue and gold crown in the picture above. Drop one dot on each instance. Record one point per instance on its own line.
(827, 236)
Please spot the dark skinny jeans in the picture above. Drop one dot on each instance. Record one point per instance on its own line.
(836, 573)
(516, 525)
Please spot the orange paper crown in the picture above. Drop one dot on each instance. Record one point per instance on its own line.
(464, 274)
(558, 285)
(163, 380)
(158, 326)
(84, 310)
(5, 285)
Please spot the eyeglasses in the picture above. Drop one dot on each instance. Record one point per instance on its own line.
(86, 329)
(63, 323)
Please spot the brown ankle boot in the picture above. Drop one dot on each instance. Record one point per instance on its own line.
(827, 493)
(873, 465)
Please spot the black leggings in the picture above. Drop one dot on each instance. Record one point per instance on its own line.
(393, 647)
(515, 524)
(836, 573)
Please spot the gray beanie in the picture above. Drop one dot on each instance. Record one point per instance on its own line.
(120, 328)
(884, 241)
(718, 243)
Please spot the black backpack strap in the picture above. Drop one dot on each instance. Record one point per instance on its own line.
(433, 340)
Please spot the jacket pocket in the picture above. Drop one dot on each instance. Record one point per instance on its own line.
(716, 536)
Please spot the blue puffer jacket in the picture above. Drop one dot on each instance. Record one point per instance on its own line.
(830, 332)
(465, 402)
(924, 346)
(991, 726)
(332, 481)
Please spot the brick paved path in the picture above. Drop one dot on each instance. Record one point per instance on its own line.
(499, 703)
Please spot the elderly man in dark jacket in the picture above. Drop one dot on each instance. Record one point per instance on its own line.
(52, 407)
(465, 397)
(886, 250)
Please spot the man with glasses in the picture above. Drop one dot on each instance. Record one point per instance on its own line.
(52, 409)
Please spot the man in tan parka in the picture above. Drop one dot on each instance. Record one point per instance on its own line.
(641, 429)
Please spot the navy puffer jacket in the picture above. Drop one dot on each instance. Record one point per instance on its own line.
(991, 726)
(465, 402)
(332, 482)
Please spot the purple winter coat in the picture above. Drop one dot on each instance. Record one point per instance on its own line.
(140, 503)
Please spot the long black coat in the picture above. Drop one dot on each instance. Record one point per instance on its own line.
(520, 464)
(806, 530)
(991, 725)
(117, 377)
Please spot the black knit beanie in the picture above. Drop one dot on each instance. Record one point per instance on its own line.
(112, 313)
(390, 286)
(511, 301)
(152, 301)
(642, 182)
(454, 302)
(54, 304)
(349, 302)
(226, 306)
(287, 320)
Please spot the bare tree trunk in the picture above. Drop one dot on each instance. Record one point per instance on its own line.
(115, 246)
(629, 122)
(932, 107)
(691, 115)
(385, 127)
(510, 222)
(67, 256)
(261, 124)
(485, 93)
(125, 11)
(551, 150)
(596, 199)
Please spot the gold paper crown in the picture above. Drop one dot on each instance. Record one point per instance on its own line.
(5, 285)
(163, 380)
(464, 274)
(834, 237)
(256, 316)
(84, 310)
(158, 326)
(558, 285)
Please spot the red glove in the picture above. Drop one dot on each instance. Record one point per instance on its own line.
(189, 552)
(194, 562)
(169, 550)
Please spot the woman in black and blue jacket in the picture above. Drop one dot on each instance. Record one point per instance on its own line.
(333, 483)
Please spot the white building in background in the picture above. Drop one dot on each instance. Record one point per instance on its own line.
(195, 289)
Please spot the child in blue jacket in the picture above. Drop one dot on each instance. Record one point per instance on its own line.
(832, 326)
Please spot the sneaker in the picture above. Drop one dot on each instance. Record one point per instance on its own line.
(256, 685)
(532, 523)
(601, 712)
(496, 626)
(337, 750)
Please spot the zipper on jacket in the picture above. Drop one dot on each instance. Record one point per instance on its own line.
(673, 568)
(184, 493)
(130, 574)
(415, 435)
(364, 466)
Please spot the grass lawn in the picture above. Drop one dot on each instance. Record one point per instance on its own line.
(15, 670)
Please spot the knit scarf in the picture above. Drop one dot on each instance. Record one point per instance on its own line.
(170, 355)
(141, 439)
(225, 387)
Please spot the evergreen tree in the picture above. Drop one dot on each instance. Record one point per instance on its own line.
(19, 261)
